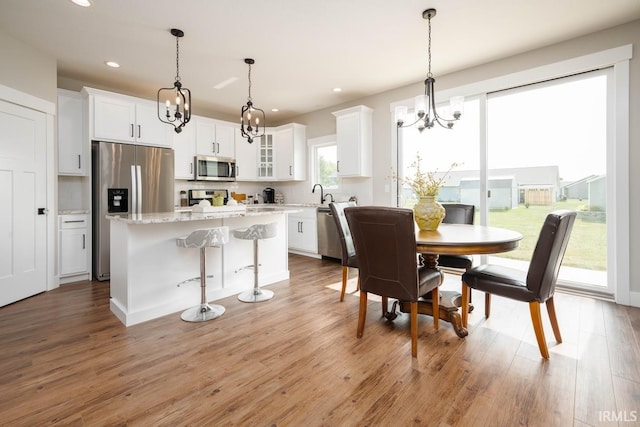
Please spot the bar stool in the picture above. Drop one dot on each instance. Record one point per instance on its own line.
(256, 232)
(203, 239)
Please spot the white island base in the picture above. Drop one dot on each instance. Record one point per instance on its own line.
(147, 266)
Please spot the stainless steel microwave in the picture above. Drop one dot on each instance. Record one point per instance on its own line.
(208, 168)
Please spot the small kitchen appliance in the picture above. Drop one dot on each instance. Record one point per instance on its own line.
(197, 195)
(269, 195)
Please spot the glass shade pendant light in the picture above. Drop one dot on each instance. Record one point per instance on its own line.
(425, 105)
(174, 103)
(252, 119)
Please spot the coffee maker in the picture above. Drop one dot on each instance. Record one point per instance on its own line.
(269, 195)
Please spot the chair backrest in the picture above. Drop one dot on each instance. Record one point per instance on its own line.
(457, 213)
(346, 241)
(548, 253)
(385, 243)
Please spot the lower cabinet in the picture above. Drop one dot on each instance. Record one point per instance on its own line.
(303, 231)
(73, 247)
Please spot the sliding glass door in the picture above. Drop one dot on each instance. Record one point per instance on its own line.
(523, 153)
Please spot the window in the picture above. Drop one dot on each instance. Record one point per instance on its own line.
(324, 161)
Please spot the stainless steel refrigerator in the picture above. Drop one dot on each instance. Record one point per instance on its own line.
(127, 179)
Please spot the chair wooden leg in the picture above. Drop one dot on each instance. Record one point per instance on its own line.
(487, 304)
(551, 309)
(385, 306)
(466, 291)
(345, 273)
(362, 314)
(414, 329)
(435, 301)
(534, 307)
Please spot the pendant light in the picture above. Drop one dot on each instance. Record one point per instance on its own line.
(177, 113)
(250, 116)
(425, 105)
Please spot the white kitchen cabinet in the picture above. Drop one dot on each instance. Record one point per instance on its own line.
(214, 138)
(184, 148)
(303, 231)
(266, 170)
(73, 244)
(246, 158)
(121, 118)
(354, 131)
(72, 155)
(290, 152)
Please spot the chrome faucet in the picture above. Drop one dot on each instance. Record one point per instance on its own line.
(327, 195)
(313, 190)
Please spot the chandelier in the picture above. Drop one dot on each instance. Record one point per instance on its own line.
(425, 105)
(250, 115)
(179, 113)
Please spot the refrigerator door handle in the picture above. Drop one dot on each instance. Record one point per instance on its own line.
(140, 195)
(134, 190)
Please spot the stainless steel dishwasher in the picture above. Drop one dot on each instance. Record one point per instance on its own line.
(328, 238)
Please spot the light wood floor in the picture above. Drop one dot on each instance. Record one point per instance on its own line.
(295, 361)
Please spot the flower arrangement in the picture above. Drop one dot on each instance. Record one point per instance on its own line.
(423, 183)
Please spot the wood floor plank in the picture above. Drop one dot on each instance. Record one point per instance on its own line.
(295, 360)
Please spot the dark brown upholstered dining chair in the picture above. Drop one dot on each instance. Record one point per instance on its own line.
(534, 286)
(385, 244)
(457, 213)
(349, 258)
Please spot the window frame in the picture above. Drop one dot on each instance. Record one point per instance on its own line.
(313, 144)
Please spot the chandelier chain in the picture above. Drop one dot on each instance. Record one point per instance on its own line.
(249, 98)
(177, 58)
(429, 74)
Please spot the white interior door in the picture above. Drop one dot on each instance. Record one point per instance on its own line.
(23, 237)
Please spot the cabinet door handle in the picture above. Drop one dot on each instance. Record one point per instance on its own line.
(190, 168)
(218, 147)
(79, 162)
(84, 241)
(71, 221)
(290, 173)
(131, 130)
(237, 171)
(338, 166)
(139, 132)
(213, 147)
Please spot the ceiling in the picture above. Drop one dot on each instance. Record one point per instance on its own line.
(303, 49)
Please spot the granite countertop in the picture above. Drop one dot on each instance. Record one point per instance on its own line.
(185, 215)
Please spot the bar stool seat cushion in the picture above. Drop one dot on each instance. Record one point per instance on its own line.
(257, 232)
(205, 238)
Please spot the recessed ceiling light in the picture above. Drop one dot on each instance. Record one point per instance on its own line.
(337, 89)
(112, 64)
(83, 3)
(275, 110)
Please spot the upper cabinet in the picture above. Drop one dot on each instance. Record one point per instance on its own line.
(214, 138)
(354, 129)
(290, 152)
(184, 147)
(265, 156)
(72, 156)
(123, 118)
(246, 158)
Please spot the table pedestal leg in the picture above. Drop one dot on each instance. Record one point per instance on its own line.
(450, 301)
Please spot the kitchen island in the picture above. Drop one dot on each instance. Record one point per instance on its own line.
(147, 266)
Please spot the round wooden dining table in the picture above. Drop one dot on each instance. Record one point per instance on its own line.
(459, 239)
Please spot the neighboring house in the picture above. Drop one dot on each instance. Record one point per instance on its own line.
(597, 193)
(508, 187)
(578, 190)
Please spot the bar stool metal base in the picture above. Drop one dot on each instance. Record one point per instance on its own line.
(256, 295)
(202, 313)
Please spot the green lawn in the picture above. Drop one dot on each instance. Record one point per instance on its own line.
(587, 245)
